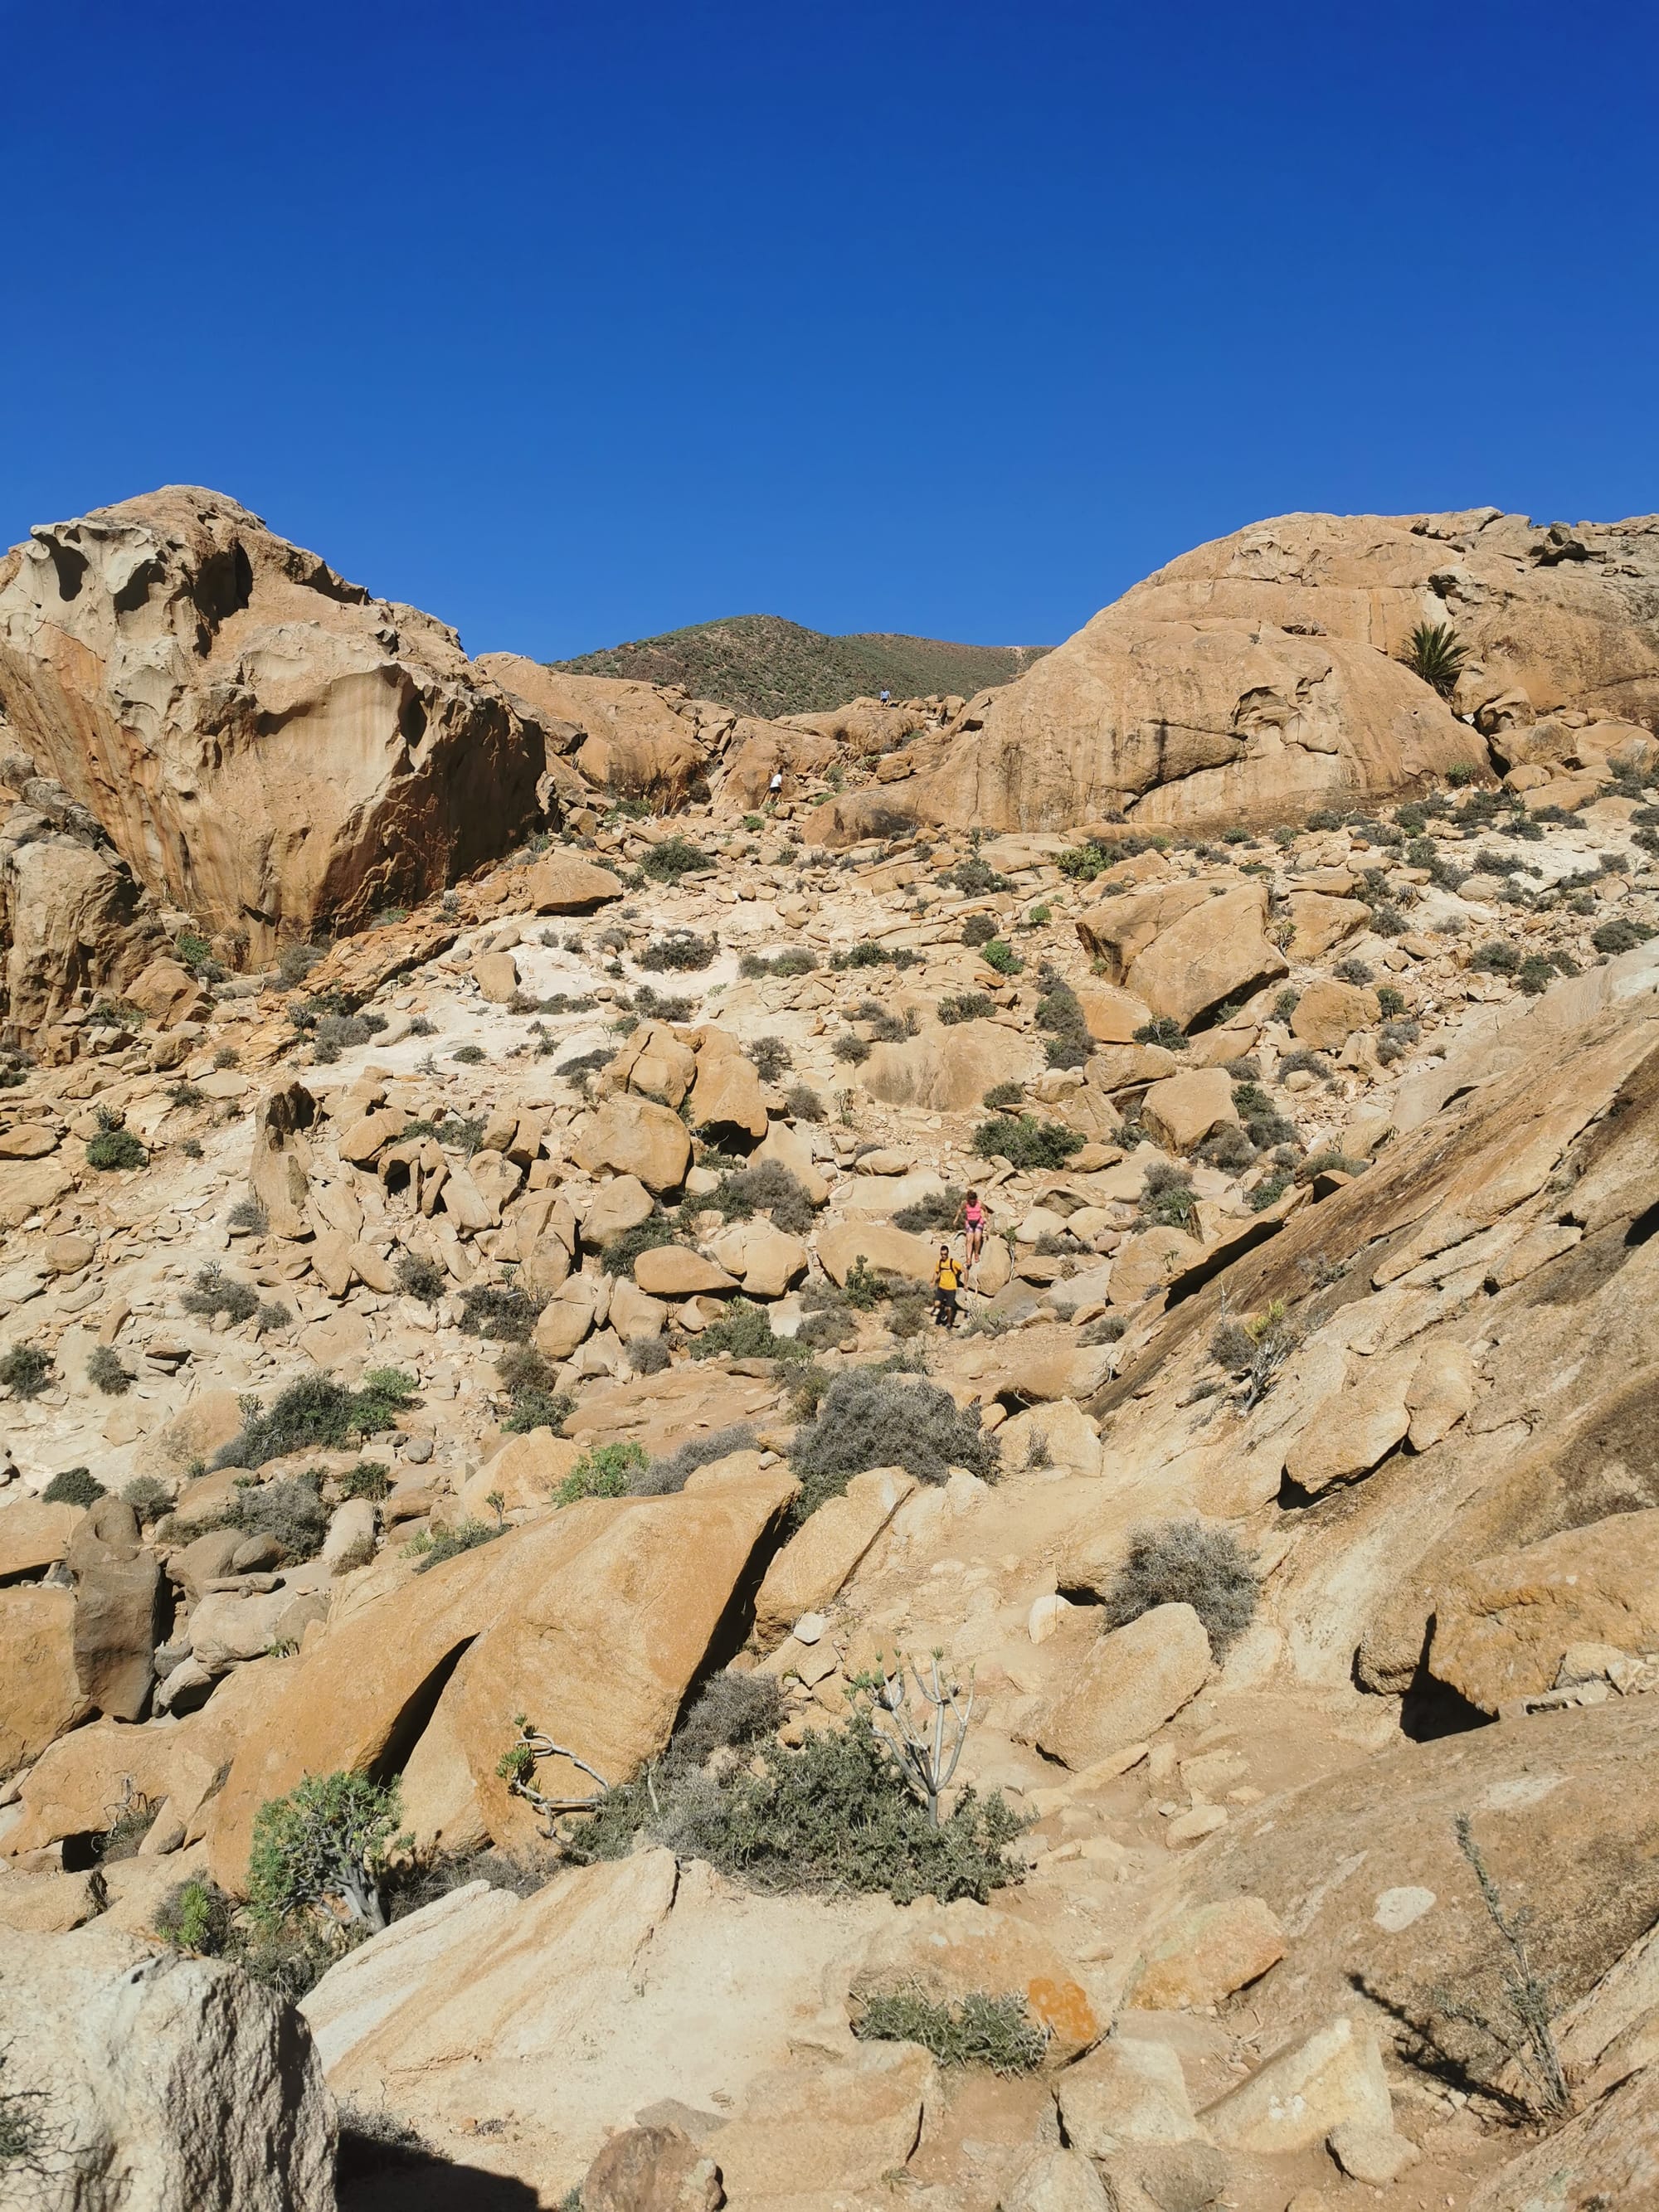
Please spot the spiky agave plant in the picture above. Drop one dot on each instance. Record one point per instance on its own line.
(1436, 653)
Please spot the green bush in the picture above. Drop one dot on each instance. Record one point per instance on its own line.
(1390, 998)
(772, 1058)
(1620, 936)
(852, 1048)
(420, 1278)
(648, 1355)
(26, 1370)
(1167, 1198)
(804, 1102)
(1496, 957)
(326, 1840)
(833, 1816)
(665, 1477)
(316, 1413)
(450, 1543)
(150, 1500)
(370, 1478)
(1537, 974)
(1164, 1030)
(1109, 1330)
(194, 1916)
(531, 1381)
(672, 858)
(291, 1512)
(468, 1056)
(1183, 1562)
(744, 1331)
(871, 1418)
(767, 1188)
(648, 1235)
(248, 1213)
(1025, 1142)
(978, 929)
(996, 2033)
(116, 1148)
(500, 1312)
(681, 950)
(796, 961)
(75, 1486)
(601, 1471)
(940, 1209)
(1002, 955)
(215, 1292)
(976, 878)
(966, 1006)
(1269, 1191)
(863, 1287)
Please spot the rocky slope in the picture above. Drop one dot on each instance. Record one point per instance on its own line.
(1320, 1171)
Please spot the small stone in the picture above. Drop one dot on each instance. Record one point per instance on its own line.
(1376, 2155)
(809, 1627)
(417, 1450)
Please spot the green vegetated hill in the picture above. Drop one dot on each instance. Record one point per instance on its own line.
(761, 665)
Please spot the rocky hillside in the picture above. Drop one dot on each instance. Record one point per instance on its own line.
(762, 665)
(478, 1441)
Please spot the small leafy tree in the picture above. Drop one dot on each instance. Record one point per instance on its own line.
(926, 1754)
(327, 1839)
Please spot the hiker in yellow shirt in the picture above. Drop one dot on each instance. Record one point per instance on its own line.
(947, 1278)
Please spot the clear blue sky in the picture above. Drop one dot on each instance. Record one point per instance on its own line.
(576, 324)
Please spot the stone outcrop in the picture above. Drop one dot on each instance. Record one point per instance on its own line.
(268, 747)
(156, 2080)
(625, 738)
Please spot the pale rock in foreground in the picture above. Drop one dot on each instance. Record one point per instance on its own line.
(1133, 1680)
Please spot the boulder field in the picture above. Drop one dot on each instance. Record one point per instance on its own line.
(490, 1359)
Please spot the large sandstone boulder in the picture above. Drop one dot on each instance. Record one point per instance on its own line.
(624, 737)
(1502, 1627)
(117, 1595)
(1132, 1680)
(885, 1249)
(592, 1623)
(158, 2081)
(73, 916)
(827, 1546)
(560, 883)
(266, 745)
(1215, 952)
(948, 1070)
(40, 1693)
(634, 1136)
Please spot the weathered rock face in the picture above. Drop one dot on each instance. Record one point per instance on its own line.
(266, 745)
(624, 738)
(159, 2080)
(1259, 673)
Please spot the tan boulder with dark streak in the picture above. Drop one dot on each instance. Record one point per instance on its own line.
(1112, 1015)
(674, 1271)
(727, 1094)
(1183, 1110)
(885, 1249)
(496, 975)
(1322, 922)
(72, 917)
(266, 745)
(167, 993)
(655, 1062)
(1205, 1952)
(593, 1622)
(653, 2169)
(561, 884)
(279, 1173)
(34, 1535)
(117, 1593)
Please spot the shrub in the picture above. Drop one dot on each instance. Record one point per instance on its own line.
(804, 1102)
(1496, 957)
(1183, 1562)
(1351, 971)
(290, 1512)
(1109, 1330)
(1390, 998)
(272, 1314)
(26, 1370)
(295, 961)
(1003, 1098)
(1620, 936)
(772, 1058)
(978, 929)
(1286, 1004)
(869, 1418)
(1167, 1198)
(1396, 1039)
(106, 1372)
(601, 1471)
(1435, 652)
(317, 1412)
(1303, 1062)
(500, 1312)
(976, 878)
(469, 1055)
(997, 2034)
(370, 1478)
(766, 1187)
(1002, 955)
(115, 1147)
(1025, 1142)
(420, 1278)
(215, 1292)
(327, 1839)
(889, 1029)
(648, 1355)
(195, 1916)
(1163, 1030)
(940, 1209)
(796, 961)
(1269, 1191)
(863, 1287)
(744, 1331)
(150, 1500)
(674, 857)
(248, 1213)
(966, 1006)
(729, 1712)
(75, 1486)
(681, 949)
(851, 1048)
(620, 1253)
(833, 1816)
(186, 1094)
(1537, 973)
(450, 1543)
(663, 1477)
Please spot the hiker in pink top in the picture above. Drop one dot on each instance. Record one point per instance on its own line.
(973, 1221)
